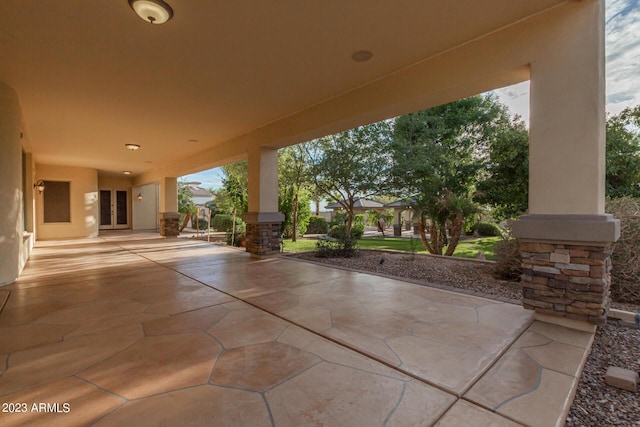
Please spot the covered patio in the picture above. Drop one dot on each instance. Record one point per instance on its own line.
(101, 112)
(132, 329)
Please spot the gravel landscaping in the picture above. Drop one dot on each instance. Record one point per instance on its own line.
(615, 344)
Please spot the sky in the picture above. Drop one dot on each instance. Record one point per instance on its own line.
(622, 43)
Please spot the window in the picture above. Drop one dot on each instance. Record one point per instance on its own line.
(57, 201)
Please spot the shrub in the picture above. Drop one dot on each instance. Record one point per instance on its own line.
(508, 260)
(625, 259)
(332, 247)
(222, 222)
(240, 234)
(317, 225)
(357, 230)
(339, 217)
(486, 229)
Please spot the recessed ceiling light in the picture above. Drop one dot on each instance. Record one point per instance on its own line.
(132, 147)
(152, 11)
(126, 172)
(361, 55)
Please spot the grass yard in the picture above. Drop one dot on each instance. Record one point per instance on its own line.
(465, 249)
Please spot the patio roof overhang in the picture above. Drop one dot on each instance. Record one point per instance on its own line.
(222, 77)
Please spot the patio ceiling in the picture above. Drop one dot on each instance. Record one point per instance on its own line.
(91, 76)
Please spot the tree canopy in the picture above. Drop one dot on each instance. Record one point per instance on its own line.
(235, 184)
(437, 158)
(623, 153)
(351, 164)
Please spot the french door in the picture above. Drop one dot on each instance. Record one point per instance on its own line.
(114, 210)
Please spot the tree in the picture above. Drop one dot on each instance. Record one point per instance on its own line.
(437, 155)
(505, 176)
(294, 186)
(186, 205)
(623, 153)
(351, 164)
(505, 182)
(235, 184)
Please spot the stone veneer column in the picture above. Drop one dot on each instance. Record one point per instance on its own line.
(566, 239)
(569, 281)
(169, 217)
(566, 261)
(169, 224)
(263, 235)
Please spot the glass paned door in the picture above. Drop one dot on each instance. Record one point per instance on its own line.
(114, 210)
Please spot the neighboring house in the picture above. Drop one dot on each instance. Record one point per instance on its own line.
(199, 194)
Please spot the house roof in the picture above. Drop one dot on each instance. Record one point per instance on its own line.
(201, 89)
(359, 203)
(200, 192)
(400, 203)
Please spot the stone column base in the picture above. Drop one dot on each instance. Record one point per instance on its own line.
(263, 233)
(566, 262)
(570, 281)
(169, 224)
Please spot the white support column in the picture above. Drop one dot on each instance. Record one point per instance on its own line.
(567, 151)
(263, 180)
(263, 219)
(566, 237)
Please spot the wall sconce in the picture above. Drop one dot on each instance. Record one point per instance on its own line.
(140, 197)
(39, 186)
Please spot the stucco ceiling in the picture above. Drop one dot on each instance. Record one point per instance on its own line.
(91, 76)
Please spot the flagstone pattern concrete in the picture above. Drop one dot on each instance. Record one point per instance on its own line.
(131, 329)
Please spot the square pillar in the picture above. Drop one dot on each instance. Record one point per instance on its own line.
(566, 238)
(264, 222)
(169, 218)
(169, 224)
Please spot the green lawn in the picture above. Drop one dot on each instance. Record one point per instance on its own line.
(465, 249)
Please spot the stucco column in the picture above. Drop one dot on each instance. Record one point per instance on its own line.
(10, 186)
(169, 216)
(566, 236)
(263, 219)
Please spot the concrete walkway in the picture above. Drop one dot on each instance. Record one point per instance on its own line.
(131, 329)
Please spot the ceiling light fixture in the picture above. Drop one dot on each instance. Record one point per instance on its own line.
(152, 11)
(361, 55)
(132, 147)
(126, 172)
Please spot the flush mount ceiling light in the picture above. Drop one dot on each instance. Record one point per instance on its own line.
(132, 147)
(361, 55)
(152, 11)
(126, 172)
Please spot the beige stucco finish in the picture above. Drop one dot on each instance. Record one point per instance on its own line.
(193, 101)
(83, 186)
(567, 128)
(263, 180)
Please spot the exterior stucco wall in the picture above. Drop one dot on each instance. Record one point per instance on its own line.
(84, 203)
(145, 211)
(11, 191)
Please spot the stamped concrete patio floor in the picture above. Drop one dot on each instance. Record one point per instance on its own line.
(131, 329)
